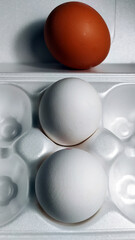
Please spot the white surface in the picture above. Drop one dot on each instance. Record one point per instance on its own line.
(99, 144)
(28, 146)
(122, 50)
(54, 72)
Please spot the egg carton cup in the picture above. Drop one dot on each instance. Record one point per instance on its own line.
(23, 147)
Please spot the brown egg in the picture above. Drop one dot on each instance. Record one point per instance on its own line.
(77, 36)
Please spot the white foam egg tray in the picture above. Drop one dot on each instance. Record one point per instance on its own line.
(23, 147)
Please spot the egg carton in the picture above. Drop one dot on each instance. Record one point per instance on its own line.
(23, 147)
(20, 132)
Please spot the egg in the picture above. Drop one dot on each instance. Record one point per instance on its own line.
(70, 111)
(71, 185)
(77, 35)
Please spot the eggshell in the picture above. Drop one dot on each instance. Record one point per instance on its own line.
(70, 111)
(76, 35)
(71, 185)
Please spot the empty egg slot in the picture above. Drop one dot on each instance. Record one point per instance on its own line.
(10, 129)
(119, 110)
(4, 152)
(14, 185)
(122, 185)
(8, 190)
(15, 113)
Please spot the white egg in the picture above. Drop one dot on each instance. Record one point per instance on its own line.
(70, 111)
(71, 185)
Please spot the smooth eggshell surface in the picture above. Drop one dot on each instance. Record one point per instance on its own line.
(71, 185)
(76, 35)
(70, 111)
